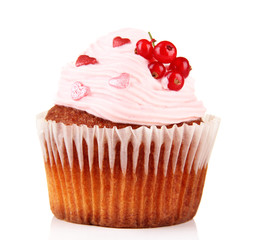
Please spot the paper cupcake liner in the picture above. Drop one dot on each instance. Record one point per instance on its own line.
(144, 177)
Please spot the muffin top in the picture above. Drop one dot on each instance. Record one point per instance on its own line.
(111, 80)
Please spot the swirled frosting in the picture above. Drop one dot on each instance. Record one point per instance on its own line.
(145, 101)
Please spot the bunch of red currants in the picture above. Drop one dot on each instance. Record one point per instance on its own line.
(159, 57)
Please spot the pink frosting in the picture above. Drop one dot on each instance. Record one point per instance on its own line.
(136, 99)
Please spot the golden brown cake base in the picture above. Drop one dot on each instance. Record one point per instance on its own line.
(109, 198)
(117, 175)
(69, 116)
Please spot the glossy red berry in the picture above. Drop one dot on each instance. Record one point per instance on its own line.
(181, 65)
(157, 69)
(85, 60)
(165, 52)
(175, 80)
(144, 48)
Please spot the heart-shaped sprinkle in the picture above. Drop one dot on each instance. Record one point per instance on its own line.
(85, 60)
(121, 81)
(119, 41)
(79, 91)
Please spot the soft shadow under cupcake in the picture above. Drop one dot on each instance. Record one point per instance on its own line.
(64, 230)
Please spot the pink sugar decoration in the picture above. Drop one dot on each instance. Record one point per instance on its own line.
(79, 91)
(121, 81)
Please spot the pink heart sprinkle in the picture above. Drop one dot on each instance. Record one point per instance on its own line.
(79, 91)
(121, 82)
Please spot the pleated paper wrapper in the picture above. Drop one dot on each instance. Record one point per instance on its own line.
(143, 177)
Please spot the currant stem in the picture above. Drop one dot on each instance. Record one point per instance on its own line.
(152, 39)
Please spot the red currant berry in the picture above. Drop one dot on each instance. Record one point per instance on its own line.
(175, 80)
(85, 60)
(157, 69)
(151, 60)
(181, 65)
(165, 52)
(144, 48)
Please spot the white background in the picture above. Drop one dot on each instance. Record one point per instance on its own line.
(227, 44)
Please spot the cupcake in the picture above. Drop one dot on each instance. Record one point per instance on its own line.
(127, 143)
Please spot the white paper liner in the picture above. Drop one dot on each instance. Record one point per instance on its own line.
(193, 142)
